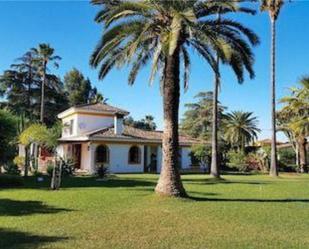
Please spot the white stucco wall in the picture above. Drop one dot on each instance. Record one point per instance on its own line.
(89, 123)
(118, 159)
(185, 158)
(83, 123)
(159, 159)
(85, 157)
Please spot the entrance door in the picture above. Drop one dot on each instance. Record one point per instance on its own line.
(77, 151)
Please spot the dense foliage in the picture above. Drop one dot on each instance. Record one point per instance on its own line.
(146, 123)
(8, 136)
(79, 89)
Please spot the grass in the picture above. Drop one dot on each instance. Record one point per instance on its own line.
(252, 211)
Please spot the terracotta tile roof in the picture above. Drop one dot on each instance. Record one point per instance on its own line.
(134, 133)
(101, 107)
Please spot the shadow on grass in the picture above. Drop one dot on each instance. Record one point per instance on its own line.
(10, 207)
(87, 182)
(248, 200)
(211, 181)
(12, 239)
(113, 182)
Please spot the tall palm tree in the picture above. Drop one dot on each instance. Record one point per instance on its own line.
(224, 7)
(44, 55)
(136, 32)
(240, 129)
(273, 7)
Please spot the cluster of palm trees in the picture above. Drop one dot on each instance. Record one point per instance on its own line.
(293, 120)
(164, 33)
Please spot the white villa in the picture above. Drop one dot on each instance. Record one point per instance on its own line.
(94, 134)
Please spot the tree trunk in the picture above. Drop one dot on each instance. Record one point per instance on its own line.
(43, 93)
(215, 168)
(169, 183)
(26, 161)
(297, 156)
(302, 154)
(29, 92)
(273, 164)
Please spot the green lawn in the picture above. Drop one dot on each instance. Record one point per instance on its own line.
(252, 211)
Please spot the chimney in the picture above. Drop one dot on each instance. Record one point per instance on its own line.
(118, 124)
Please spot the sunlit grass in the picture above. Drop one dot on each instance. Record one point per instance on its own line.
(252, 211)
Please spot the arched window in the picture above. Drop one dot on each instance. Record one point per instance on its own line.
(102, 154)
(134, 155)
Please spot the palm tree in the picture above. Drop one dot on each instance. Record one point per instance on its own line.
(294, 121)
(273, 7)
(163, 31)
(240, 129)
(44, 54)
(225, 7)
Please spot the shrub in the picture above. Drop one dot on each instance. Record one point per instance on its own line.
(287, 156)
(237, 160)
(102, 171)
(37, 173)
(50, 168)
(68, 167)
(11, 169)
(19, 161)
(258, 161)
(11, 181)
(201, 154)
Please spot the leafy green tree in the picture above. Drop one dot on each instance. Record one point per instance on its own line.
(44, 55)
(8, 134)
(197, 120)
(202, 152)
(21, 86)
(97, 97)
(18, 84)
(240, 129)
(273, 7)
(146, 123)
(79, 89)
(136, 32)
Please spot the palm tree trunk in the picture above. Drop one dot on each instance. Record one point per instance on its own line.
(43, 94)
(297, 155)
(27, 159)
(273, 164)
(302, 154)
(169, 183)
(214, 169)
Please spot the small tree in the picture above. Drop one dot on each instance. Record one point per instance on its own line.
(44, 137)
(202, 152)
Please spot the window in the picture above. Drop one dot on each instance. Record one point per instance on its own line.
(134, 155)
(102, 154)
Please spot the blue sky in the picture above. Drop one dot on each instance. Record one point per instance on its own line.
(69, 27)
